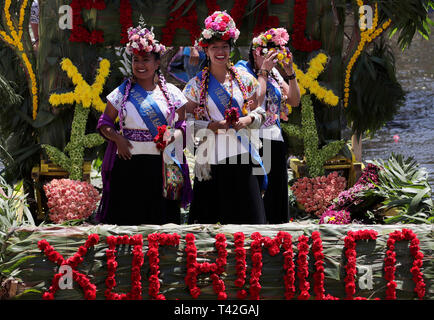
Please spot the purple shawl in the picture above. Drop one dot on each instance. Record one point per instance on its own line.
(109, 159)
(106, 168)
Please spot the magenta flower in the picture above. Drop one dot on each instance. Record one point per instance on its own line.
(332, 216)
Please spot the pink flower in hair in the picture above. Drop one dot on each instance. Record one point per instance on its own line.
(214, 26)
(280, 37)
(219, 25)
(208, 21)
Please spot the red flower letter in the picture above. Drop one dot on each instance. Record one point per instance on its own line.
(273, 246)
(194, 268)
(125, 19)
(350, 253)
(390, 261)
(318, 276)
(264, 21)
(299, 40)
(176, 21)
(80, 33)
(154, 241)
(54, 256)
(136, 287)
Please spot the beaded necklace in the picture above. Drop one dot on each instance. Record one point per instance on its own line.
(202, 109)
(163, 87)
(123, 113)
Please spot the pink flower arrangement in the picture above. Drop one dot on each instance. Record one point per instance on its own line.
(274, 36)
(219, 25)
(335, 217)
(273, 40)
(70, 199)
(316, 194)
(142, 40)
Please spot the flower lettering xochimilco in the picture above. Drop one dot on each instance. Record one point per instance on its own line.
(89, 288)
(273, 246)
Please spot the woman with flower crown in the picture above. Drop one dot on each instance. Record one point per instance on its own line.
(222, 99)
(266, 50)
(147, 107)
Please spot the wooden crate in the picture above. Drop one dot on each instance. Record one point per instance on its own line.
(347, 168)
(44, 173)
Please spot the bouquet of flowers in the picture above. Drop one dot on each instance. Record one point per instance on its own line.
(159, 138)
(331, 216)
(354, 195)
(70, 199)
(352, 201)
(316, 194)
(232, 115)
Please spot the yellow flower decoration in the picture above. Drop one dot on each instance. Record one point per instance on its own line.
(365, 37)
(308, 80)
(14, 39)
(85, 94)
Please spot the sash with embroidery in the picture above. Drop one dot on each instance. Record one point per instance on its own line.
(273, 93)
(146, 107)
(149, 112)
(221, 99)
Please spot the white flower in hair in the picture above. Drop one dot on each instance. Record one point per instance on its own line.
(207, 34)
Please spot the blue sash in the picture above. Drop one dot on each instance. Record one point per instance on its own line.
(219, 95)
(274, 94)
(221, 99)
(146, 107)
(149, 112)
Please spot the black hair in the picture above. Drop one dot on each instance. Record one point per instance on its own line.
(214, 39)
(156, 55)
(251, 58)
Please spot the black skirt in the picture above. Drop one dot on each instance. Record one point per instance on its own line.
(276, 196)
(232, 196)
(136, 193)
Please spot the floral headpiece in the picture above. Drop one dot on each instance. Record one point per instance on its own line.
(274, 39)
(142, 40)
(219, 25)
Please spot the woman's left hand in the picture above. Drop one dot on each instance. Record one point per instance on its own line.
(242, 123)
(169, 136)
(287, 66)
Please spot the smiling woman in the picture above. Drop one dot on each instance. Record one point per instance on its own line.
(222, 100)
(133, 163)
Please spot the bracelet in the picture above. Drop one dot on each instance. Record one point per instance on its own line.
(290, 77)
(263, 72)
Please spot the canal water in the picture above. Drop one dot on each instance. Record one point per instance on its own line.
(411, 133)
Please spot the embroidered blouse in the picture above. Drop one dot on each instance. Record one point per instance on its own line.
(227, 144)
(133, 119)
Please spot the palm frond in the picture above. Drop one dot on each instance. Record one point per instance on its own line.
(404, 186)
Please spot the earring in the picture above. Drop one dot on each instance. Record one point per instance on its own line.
(156, 76)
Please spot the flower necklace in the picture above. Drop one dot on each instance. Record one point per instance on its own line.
(202, 110)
